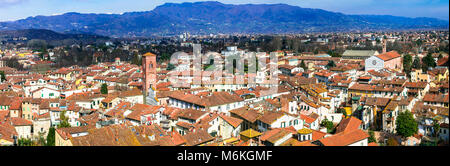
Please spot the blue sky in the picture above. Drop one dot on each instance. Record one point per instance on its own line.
(19, 9)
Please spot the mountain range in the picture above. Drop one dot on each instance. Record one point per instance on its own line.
(43, 34)
(215, 17)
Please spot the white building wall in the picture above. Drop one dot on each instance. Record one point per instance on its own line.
(369, 62)
(363, 142)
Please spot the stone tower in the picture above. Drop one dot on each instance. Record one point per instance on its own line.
(150, 79)
(149, 69)
(384, 46)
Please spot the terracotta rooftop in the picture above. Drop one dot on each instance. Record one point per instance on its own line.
(389, 55)
(344, 138)
(348, 124)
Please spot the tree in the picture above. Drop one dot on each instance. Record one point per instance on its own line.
(303, 65)
(428, 61)
(372, 137)
(428, 143)
(64, 120)
(419, 42)
(328, 124)
(137, 60)
(170, 66)
(436, 127)
(2, 76)
(104, 89)
(41, 45)
(406, 124)
(330, 64)
(407, 63)
(51, 137)
(14, 63)
(342, 110)
(165, 56)
(416, 63)
(25, 142)
(334, 54)
(41, 140)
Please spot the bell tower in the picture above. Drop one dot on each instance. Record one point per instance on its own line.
(149, 69)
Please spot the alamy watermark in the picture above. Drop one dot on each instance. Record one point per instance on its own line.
(232, 68)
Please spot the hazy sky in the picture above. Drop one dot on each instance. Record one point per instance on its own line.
(19, 9)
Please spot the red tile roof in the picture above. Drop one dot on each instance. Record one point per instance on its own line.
(443, 98)
(309, 119)
(197, 138)
(274, 135)
(389, 55)
(20, 122)
(348, 124)
(443, 61)
(344, 138)
(235, 122)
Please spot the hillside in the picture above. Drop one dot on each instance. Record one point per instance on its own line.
(215, 17)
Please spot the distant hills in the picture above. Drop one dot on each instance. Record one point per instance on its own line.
(214, 17)
(44, 34)
(51, 37)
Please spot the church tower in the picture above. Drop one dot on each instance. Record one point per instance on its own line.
(149, 69)
(150, 79)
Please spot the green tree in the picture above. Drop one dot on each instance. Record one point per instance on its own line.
(330, 64)
(406, 124)
(428, 61)
(51, 137)
(342, 110)
(372, 137)
(14, 63)
(170, 66)
(416, 63)
(165, 56)
(303, 65)
(137, 60)
(328, 124)
(64, 120)
(24, 142)
(436, 127)
(2, 76)
(104, 89)
(419, 42)
(334, 54)
(407, 63)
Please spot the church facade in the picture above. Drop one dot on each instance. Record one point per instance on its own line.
(388, 60)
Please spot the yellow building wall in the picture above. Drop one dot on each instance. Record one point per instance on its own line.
(5, 142)
(59, 141)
